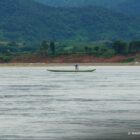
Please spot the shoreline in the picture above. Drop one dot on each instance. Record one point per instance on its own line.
(64, 64)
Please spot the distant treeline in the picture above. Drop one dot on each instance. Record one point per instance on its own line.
(9, 50)
(103, 49)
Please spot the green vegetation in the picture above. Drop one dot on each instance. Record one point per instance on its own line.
(79, 3)
(30, 21)
(128, 7)
(120, 47)
(5, 58)
(78, 30)
(104, 49)
(132, 59)
(10, 49)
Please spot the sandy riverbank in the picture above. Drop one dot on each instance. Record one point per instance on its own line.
(65, 64)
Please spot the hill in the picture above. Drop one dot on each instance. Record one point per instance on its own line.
(130, 7)
(31, 21)
(79, 3)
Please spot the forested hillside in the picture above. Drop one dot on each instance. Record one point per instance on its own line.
(79, 3)
(130, 7)
(31, 21)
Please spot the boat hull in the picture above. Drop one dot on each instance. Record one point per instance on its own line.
(72, 70)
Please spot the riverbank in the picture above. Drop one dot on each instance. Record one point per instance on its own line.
(70, 60)
(65, 64)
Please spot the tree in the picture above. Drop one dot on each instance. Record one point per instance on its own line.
(103, 50)
(96, 48)
(134, 46)
(44, 48)
(120, 47)
(52, 47)
(13, 44)
(86, 49)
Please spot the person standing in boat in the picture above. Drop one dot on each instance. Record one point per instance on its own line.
(76, 67)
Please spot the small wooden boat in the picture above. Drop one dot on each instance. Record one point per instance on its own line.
(72, 70)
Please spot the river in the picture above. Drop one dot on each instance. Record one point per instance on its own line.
(39, 105)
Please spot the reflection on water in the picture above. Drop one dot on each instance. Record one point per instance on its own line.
(37, 105)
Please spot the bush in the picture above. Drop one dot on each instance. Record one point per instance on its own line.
(132, 59)
(5, 59)
(108, 53)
